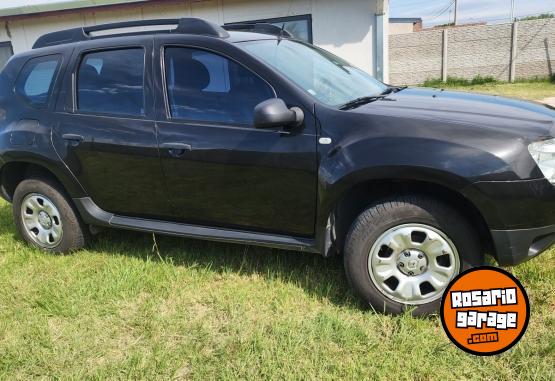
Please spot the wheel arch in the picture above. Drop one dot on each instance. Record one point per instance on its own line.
(358, 197)
(14, 172)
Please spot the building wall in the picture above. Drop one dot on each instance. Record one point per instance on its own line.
(535, 48)
(415, 57)
(476, 50)
(400, 28)
(345, 27)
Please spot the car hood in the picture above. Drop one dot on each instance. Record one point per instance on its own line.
(531, 120)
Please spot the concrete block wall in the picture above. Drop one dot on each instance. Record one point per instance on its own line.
(480, 50)
(535, 55)
(415, 57)
(484, 50)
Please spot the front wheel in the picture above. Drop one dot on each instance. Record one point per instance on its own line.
(402, 253)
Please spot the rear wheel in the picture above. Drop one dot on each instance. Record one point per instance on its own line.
(402, 253)
(45, 218)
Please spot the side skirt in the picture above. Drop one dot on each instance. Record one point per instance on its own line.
(93, 215)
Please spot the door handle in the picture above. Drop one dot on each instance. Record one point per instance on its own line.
(177, 149)
(73, 139)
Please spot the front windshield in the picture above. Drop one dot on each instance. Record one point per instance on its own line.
(326, 77)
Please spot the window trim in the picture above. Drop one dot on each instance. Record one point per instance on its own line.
(306, 17)
(6, 44)
(75, 77)
(170, 117)
(49, 100)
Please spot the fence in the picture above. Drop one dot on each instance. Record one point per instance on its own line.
(523, 49)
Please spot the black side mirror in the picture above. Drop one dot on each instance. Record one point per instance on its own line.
(274, 113)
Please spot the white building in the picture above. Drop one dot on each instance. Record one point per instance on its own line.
(353, 29)
(404, 25)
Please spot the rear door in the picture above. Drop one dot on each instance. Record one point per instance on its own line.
(220, 170)
(106, 133)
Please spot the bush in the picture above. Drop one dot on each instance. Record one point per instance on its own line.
(455, 81)
(549, 78)
(479, 80)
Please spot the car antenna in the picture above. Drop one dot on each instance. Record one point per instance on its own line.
(280, 36)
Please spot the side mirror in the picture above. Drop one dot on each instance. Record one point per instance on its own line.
(274, 113)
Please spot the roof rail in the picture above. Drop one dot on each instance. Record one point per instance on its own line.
(259, 28)
(184, 26)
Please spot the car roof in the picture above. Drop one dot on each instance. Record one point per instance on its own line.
(121, 39)
(235, 37)
(185, 26)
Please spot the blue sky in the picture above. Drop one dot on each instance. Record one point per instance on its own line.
(469, 10)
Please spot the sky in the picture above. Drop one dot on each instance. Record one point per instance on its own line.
(430, 10)
(469, 10)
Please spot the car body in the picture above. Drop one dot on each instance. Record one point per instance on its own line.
(295, 186)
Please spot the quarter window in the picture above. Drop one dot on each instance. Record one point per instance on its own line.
(36, 80)
(206, 87)
(112, 82)
(300, 27)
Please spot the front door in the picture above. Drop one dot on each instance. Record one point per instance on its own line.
(219, 170)
(108, 138)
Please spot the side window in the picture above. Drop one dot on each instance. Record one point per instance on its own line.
(112, 82)
(300, 27)
(36, 80)
(206, 87)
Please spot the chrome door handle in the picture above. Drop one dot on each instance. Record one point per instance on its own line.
(177, 149)
(74, 139)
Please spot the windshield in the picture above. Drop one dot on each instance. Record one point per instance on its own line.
(326, 77)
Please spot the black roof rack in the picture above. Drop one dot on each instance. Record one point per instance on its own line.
(184, 26)
(259, 28)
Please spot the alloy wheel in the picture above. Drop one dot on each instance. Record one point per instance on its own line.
(413, 263)
(42, 220)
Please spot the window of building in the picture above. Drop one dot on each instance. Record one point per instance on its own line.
(36, 80)
(300, 27)
(6, 51)
(206, 87)
(112, 82)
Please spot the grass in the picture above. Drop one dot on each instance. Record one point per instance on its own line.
(137, 307)
(536, 89)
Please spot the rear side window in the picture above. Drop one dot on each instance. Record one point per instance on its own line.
(206, 87)
(112, 82)
(36, 80)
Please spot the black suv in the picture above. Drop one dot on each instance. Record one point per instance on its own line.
(242, 134)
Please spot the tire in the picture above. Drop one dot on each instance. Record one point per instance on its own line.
(48, 220)
(401, 253)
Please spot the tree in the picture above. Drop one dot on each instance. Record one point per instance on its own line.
(539, 17)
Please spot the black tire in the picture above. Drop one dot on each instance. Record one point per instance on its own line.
(75, 233)
(379, 218)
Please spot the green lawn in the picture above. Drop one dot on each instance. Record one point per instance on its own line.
(534, 90)
(187, 309)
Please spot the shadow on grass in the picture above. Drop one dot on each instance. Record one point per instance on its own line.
(318, 277)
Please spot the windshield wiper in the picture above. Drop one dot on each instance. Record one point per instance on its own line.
(394, 89)
(361, 101)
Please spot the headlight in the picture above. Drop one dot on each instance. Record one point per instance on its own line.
(544, 155)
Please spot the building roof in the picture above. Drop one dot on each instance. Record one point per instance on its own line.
(28, 7)
(403, 20)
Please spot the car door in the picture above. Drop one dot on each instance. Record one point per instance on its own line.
(106, 132)
(220, 170)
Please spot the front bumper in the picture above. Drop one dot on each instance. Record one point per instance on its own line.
(513, 247)
(520, 216)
